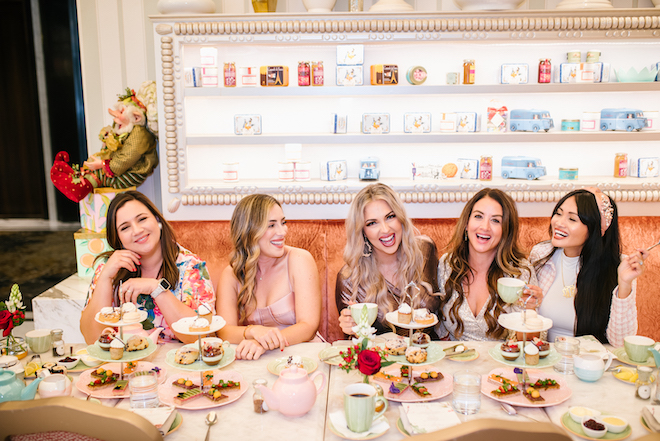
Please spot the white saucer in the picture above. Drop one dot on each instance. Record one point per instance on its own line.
(347, 434)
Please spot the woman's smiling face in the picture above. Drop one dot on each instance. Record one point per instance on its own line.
(138, 228)
(382, 228)
(271, 243)
(484, 228)
(568, 231)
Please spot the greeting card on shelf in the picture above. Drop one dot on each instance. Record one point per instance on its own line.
(417, 122)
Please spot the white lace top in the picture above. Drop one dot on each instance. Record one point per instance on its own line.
(474, 328)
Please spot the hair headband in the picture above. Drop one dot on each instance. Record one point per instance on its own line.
(604, 207)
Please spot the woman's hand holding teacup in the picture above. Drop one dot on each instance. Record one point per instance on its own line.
(269, 338)
(346, 322)
(532, 296)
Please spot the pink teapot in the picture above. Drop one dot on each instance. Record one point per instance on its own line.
(294, 393)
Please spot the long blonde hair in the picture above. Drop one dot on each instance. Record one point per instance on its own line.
(507, 261)
(248, 224)
(363, 270)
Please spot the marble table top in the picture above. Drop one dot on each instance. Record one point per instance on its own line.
(238, 421)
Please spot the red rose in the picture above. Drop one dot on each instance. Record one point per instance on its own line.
(6, 322)
(368, 362)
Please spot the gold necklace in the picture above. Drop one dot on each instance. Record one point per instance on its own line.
(570, 290)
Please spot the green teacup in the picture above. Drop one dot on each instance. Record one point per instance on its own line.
(39, 340)
(510, 289)
(370, 309)
(360, 401)
(637, 347)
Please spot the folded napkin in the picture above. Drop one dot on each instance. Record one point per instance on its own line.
(590, 345)
(338, 420)
(427, 417)
(651, 415)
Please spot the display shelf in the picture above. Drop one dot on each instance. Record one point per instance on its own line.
(400, 89)
(403, 138)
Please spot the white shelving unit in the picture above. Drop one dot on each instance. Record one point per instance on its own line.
(196, 132)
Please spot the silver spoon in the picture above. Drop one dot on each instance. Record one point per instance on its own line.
(210, 420)
(512, 411)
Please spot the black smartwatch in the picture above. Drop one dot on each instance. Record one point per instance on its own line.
(163, 285)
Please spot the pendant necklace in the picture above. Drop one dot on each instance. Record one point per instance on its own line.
(570, 290)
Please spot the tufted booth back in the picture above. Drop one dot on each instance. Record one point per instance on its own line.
(326, 239)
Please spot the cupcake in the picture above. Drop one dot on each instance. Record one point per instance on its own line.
(204, 311)
(544, 347)
(531, 354)
(116, 349)
(404, 313)
(510, 350)
(212, 352)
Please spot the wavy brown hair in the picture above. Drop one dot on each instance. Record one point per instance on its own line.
(168, 246)
(508, 261)
(363, 270)
(248, 224)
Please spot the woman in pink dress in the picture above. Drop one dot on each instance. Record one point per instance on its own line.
(269, 294)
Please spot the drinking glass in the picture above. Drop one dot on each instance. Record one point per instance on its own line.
(143, 388)
(466, 397)
(567, 347)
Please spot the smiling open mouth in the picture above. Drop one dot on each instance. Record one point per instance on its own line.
(388, 241)
(482, 236)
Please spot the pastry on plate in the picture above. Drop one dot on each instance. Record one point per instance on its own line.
(505, 389)
(212, 352)
(395, 346)
(227, 385)
(545, 384)
(136, 343)
(103, 381)
(100, 373)
(500, 380)
(116, 349)
(387, 378)
(427, 377)
(131, 317)
(405, 371)
(531, 354)
(107, 335)
(186, 355)
(189, 395)
(200, 325)
(420, 390)
(416, 355)
(510, 350)
(422, 316)
(120, 387)
(204, 311)
(184, 384)
(533, 395)
(398, 388)
(215, 395)
(109, 314)
(294, 360)
(544, 347)
(404, 313)
(420, 339)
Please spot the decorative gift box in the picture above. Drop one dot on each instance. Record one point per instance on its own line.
(349, 76)
(417, 122)
(88, 245)
(583, 73)
(247, 76)
(339, 123)
(514, 74)
(447, 122)
(209, 76)
(644, 168)
(334, 170)
(376, 123)
(496, 115)
(94, 208)
(208, 56)
(272, 76)
(384, 74)
(427, 171)
(350, 54)
(192, 77)
(468, 122)
(247, 124)
(469, 168)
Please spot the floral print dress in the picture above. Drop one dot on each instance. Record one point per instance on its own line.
(193, 289)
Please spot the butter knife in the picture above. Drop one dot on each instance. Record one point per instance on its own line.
(456, 354)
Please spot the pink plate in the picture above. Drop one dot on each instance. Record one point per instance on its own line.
(552, 396)
(438, 389)
(107, 392)
(168, 391)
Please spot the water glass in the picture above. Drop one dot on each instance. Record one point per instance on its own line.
(467, 392)
(567, 347)
(143, 388)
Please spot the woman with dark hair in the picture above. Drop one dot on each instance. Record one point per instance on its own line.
(483, 249)
(269, 294)
(588, 287)
(383, 254)
(147, 268)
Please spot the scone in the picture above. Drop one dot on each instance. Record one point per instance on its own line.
(404, 313)
(200, 325)
(395, 346)
(136, 343)
(186, 355)
(109, 314)
(415, 354)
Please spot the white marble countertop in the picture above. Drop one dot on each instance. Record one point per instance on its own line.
(238, 421)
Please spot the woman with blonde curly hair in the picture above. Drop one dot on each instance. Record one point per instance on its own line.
(269, 294)
(484, 248)
(383, 254)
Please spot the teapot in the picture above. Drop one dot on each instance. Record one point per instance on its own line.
(13, 389)
(590, 367)
(656, 355)
(137, 329)
(294, 393)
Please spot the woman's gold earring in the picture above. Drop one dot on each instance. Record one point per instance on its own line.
(465, 236)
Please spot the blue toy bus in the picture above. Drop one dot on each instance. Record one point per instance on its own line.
(522, 167)
(369, 170)
(622, 119)
(530, 120)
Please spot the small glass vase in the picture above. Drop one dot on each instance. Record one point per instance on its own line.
(14, 346)
(264, 5)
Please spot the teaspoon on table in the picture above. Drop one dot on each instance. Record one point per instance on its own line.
(512, 411)
(210, 420)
